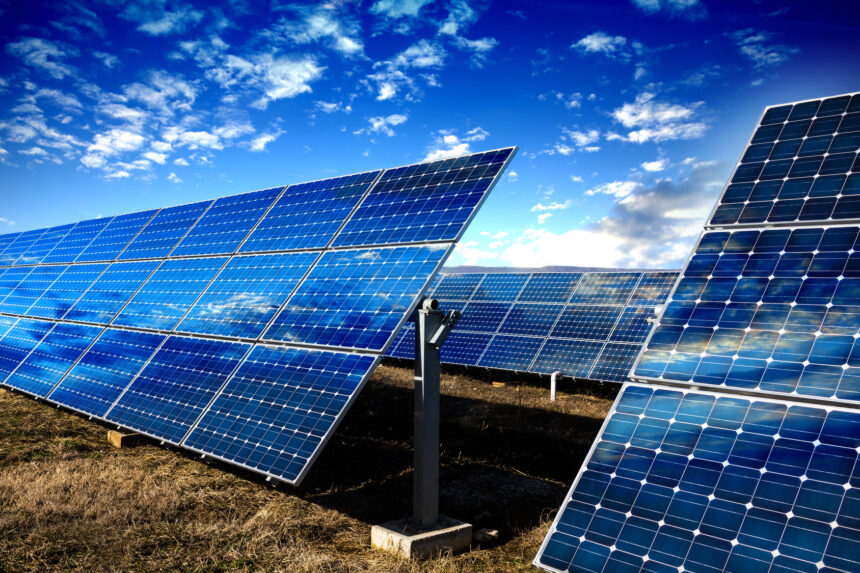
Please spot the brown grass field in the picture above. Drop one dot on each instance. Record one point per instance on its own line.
(68, 501)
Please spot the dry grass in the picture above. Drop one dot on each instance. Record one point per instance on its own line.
(68, 501)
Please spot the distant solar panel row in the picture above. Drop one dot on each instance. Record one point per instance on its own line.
(241, 328)
(680, 480)
(586, 325)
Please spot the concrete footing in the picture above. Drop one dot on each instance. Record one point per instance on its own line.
(401, 538)
(120, 440)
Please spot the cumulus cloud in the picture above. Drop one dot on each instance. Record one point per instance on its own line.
(111, 143)
(44, 56)
(756, 46)
(398, 8)
(654, 166)
(109, 60)
(652, 120)
(332, 107)
(390, 77)
(601, 43)
(447, 144)
(259, 143)
(155, 19)
(383, 124)
(575, 140)
(174, 178)
(61, 99)
(163, 92)
(654, 225)
(554, 206)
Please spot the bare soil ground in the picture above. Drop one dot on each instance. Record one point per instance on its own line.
(68, 501)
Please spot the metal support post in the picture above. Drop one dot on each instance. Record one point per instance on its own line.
(553, 382)
(431, 328)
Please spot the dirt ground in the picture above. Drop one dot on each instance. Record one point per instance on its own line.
(68, 501)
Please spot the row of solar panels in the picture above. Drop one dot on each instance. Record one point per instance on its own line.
(691, 480)
(172, 344)
(585, 325)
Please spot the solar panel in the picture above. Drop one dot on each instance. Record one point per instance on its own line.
(43, 245)
(274, 412)
(104, 371)
(226, 224)
(588, 325)
(164, 231)
(247, 293)
(772, 303)
(699, 481)
(253, 356)
(307, 215)
(115, 236)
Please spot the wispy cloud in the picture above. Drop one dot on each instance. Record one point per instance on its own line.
(155, 19)
(383, 124)
(44, 56)
(325, 23)
(757, 47)
(390, 78)
(691, 9)
(259, 143)
(653, 120)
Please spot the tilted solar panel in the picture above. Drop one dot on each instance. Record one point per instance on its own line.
(697, 481)
(585, 325)
(771, 302)
(241, 328)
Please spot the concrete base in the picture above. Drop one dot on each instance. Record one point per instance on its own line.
(400, 538)
(120, 440)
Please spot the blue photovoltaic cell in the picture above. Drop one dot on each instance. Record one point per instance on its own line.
(685, 480)
(457, 286)
(510, 352)
(66, 290)
(481, 316)
(615, 361)
(574, 358)
(115, 236)
(423, 202)
(531, 318)
(802, 169)
(171, 290)
(620, 305)
(5, 241)
(587, 321)
(403, 345)
(226, 224)
(275, 410)
(20, 246)
(6, 324)
(43, 245)
(10, 280)
(308, 214)
(164, 231)
(551, 287)
(356, 298)
(500, 286)
(775, 310)
(70, 246)
(246, 295)
(105, 370)
(105, 297)
(605, 288)
(30, 289)
(18, 341)
(52, 358)
(633, 325)
(653, 288)
(178, 382)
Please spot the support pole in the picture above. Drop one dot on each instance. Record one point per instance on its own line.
(553, 382)
(425, 486)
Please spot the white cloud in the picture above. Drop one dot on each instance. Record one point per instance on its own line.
(323, 23)
(754, 45)
(554, 206)
(398, 8)
(174, 178)
(285, 77)
(7, 221)
(332, 107)
(447, 144)
(657, 121)
(44, 55)
(654, 166)
(573, 140)
(513, 176)
(617, 189)
(259, 144)
(111, 143)
(383, 124)
(156, 157)
(689, 8)
(576, 178)
(459, 17)
(64, 100)
(163, 92)
(180, 161)
(583, 138)
(542, 218)
(122, 174)
(390, 78)
(109, 60)
(601, 43)
(154, 19)
(34, 151)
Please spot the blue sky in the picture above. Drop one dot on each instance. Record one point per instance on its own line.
(629, 114)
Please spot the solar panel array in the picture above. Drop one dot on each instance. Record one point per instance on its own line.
(764, 474)
(585, 325)
(240, 328)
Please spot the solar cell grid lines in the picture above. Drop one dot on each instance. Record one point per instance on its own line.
(529, 322)
(692, 480)
(168, 319)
